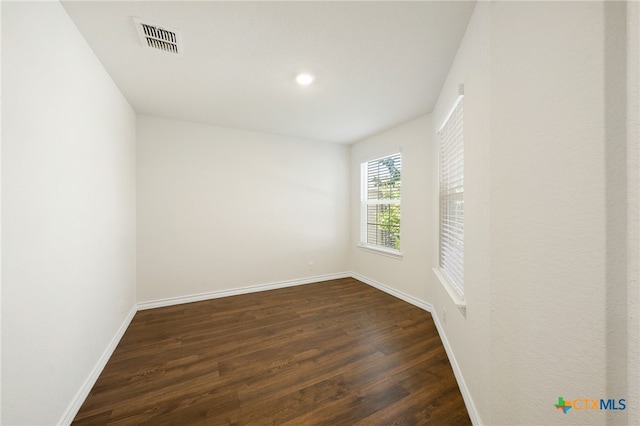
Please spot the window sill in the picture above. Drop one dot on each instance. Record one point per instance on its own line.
(456, 297)
(395, 254)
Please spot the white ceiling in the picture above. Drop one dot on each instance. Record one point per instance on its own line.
(377, 64)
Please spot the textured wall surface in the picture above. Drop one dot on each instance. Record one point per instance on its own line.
(220, 208)
(633, 210)
(68, 212)
(406, 274)
(549, 216)
(469, 334)
(549, 245)
(551, 210)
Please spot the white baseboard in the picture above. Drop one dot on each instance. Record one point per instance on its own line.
(73, 408)
(464, 390)
(392, 291)
(236, 291)
(78, 400)
(82, 394)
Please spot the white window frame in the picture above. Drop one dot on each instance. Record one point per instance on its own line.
(365, 202)
(450, 270)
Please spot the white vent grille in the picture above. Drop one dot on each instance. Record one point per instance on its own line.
(157, 37)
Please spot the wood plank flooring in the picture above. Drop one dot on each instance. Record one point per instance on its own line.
(337, 352)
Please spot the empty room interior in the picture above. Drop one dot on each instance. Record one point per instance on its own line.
(320, 212)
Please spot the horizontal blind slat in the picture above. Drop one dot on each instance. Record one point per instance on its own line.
(451, 187)
(381, 201)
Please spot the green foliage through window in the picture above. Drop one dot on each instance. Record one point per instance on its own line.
(382, 201)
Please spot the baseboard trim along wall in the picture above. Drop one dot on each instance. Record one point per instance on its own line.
(78, 400)
(468, 401)
(392, 291)
(237, 291)
(82, 394)
(464, 390)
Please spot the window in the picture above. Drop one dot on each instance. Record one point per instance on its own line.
(451, 137)
(380, 208)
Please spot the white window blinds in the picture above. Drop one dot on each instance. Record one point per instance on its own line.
(451, 136)
(381, 183)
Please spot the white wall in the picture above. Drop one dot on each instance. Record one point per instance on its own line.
(0, 222)
(551, 221)
(407, 274)
(545, 211)
(633, 210)
(220, 208)
(68, 219)
(469, 334)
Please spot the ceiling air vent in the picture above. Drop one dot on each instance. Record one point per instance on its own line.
(155, 36)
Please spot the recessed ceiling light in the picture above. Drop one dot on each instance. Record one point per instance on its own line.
(304, 79)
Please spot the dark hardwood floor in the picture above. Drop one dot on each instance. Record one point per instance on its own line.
(332, 353)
